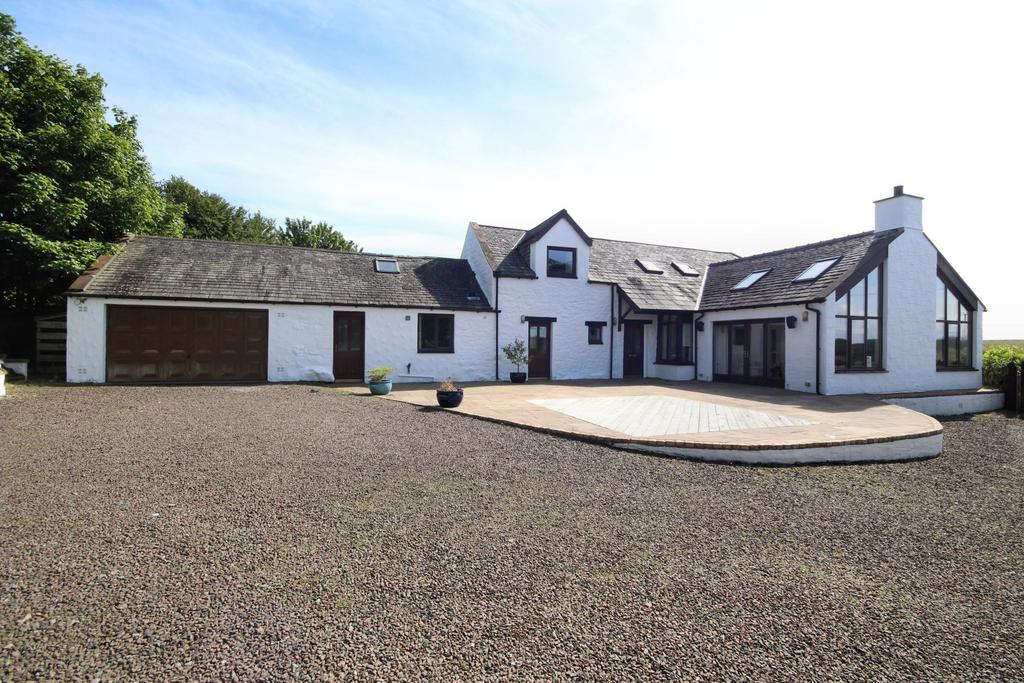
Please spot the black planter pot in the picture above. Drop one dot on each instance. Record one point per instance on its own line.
(517, 377)
(449, 399)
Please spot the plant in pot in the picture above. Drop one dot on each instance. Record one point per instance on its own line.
(515, 351)
(380, 380)
(448, 394)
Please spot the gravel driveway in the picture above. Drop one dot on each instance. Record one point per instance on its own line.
(288, 532)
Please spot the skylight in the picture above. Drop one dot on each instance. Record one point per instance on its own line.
(748, 281)
(815, 270)
(385, 265)
(684, 268)
(649, 266)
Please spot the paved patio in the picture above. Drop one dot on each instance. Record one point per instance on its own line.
(703, 420)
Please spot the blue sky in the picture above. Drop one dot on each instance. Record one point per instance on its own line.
(740, 126)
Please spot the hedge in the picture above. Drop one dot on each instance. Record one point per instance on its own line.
(997, 362)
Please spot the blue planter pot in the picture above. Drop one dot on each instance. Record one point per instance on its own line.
(380, 388)
(449, 399)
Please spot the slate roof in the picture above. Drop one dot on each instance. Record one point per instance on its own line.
(777, 287)
(612, 261)
(206, 270)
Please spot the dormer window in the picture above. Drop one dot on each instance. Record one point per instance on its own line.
(816, 270)
(685, 268)
(650, 267)
(750, 280)
(561, 262)
(385, 265)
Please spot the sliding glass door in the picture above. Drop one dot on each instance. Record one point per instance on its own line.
(750, 351)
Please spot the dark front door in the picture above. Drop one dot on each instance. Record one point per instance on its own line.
(540, 349)
(349, 339)
(633, 350)
(178, 344)
(751, 351)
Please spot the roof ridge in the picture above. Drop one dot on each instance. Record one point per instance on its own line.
(799, 247)
(287, 246)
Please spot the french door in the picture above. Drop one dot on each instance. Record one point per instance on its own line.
(539, 364)
(751, 351)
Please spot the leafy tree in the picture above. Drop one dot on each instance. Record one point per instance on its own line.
(302, 232)
(210, 216)
(72, 180)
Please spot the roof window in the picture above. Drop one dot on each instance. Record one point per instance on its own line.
(748, 281)
(684, 268)
(649, 267)
(385, 265)
(815, 270)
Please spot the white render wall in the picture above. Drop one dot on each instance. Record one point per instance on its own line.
(573, 301)
(300, 341)
(474, 254)
(908, 329)
(801, 348)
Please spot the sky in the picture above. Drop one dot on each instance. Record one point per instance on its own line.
(726, 125)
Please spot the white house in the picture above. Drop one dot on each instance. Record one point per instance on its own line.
(877, 312)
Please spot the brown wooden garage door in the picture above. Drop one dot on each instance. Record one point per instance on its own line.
(171, 344)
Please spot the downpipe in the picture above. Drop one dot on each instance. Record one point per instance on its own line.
(817, 348)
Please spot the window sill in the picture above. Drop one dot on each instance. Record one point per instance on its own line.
(671, 362)
(436, 351)
(600, 343)
(563, 276)
(944, 369)
(859, 371)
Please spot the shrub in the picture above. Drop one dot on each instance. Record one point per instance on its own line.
(516, 353)
(379, 374)
(996, 363)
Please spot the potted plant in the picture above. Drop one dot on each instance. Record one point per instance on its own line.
(380, 381)
(3, 376)
(515, 351)
(448, 394)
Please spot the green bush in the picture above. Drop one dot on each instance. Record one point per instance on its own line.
(996, 363)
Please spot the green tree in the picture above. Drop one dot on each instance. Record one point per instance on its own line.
(302, 232)
(73, 178)
(209, 216)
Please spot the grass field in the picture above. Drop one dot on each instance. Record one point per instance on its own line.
(1017, 344)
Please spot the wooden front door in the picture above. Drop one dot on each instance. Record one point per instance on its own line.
(540, 349)
(633, 350)
(349, 342)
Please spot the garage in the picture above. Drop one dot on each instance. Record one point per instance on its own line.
(178, 344)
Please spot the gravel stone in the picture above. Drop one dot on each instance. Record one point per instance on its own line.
(279, 533)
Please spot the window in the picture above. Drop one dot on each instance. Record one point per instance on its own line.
(675, 338)
(749, 280)
(385, 265)
(953, 337)
(815, 270)
(684, 268)
(561, 262)
(650, 267)
(595, 332)
(436, 333)
(859, 325)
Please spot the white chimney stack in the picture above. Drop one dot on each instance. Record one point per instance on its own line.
(898, 211)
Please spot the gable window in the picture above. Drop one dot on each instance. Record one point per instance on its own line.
(561, 262)
(595, 332)
(675, 338)
(815, 270)
(953, 338)
(436, 333)
(859, 325)
(385, 265)
(748, 281)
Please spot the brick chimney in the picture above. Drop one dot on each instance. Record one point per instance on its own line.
(898, 211)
